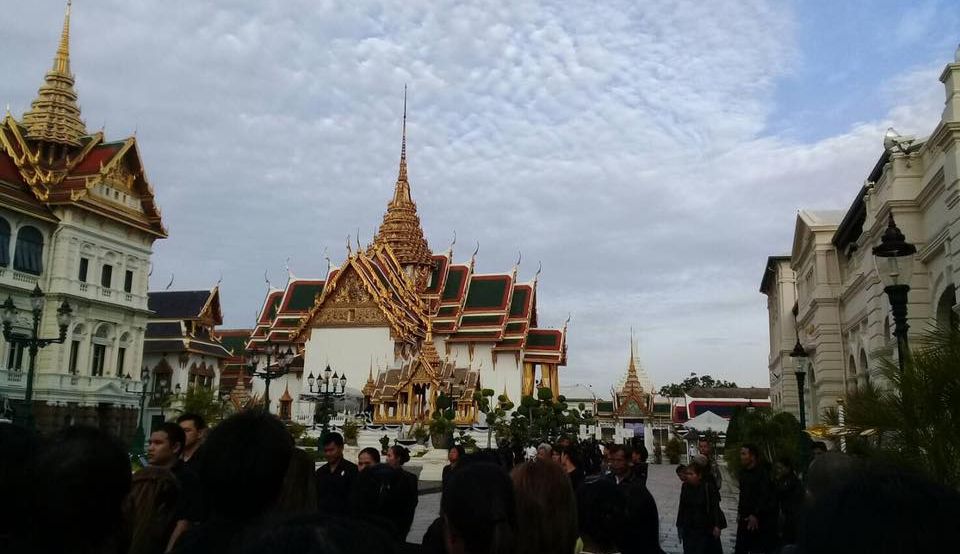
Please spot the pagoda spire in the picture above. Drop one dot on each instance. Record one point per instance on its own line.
(401, 228)
(54, 115)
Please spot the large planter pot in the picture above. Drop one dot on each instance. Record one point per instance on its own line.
(441, 441)
(351, 441)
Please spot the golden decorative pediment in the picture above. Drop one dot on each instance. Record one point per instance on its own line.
(350, 305)
(120, 177)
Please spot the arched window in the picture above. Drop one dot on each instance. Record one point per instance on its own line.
(851, 375)
(946, 317)
(99, 358)
(864, 366)
(4, 243)
(28, 256)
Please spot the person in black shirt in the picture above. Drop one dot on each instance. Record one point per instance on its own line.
(639, 459)
(163, 450)
(699, 519)
(570, 462)
(642, 534)
(756, 509)
(194, 429)
(334, 478)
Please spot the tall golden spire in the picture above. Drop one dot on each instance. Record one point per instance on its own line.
(401, 224)
(54, 115)
(632, 383)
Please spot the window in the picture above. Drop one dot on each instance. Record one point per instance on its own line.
(99, 356)
(28, 256)
(84, 265)
(285, 409)
(128, 281)
(121, 354)
(106, 276)
(4, 243)
(74, 354)
(15, 358)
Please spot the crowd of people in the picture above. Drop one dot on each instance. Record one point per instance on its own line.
(244, 487)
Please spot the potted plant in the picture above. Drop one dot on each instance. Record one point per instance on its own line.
(421, 434)
(673, 450)
(384, 444)
(350, 432)
(441, 423)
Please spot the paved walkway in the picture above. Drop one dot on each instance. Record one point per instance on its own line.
(663, 484)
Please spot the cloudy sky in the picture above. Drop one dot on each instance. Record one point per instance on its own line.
(650, 154)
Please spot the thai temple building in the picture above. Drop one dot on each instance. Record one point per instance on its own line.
(78, 220)
(404, 324)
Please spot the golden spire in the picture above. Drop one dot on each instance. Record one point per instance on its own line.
(54, 115)
(401, 225)
(632, 383)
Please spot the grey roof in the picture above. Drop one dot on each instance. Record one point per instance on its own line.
(179, 304)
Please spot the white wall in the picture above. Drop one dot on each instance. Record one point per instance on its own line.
(348, 351)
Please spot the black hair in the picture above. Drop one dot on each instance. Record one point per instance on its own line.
(878, 508)
(372, 452)
(753, 449)
(316, 535)
(332, 437)
(601, 507)
(197, 420)
(681, 468)
(619, 448)
(401, 453)
(642, 451)
(174, 433)
(251, 447)
(479, 509)
(819, 445)
(459, 448)
(81, 479)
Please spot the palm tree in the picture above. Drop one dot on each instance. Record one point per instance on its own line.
(912, 417)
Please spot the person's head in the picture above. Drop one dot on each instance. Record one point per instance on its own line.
(749, 455)
(783, 467)
(368, 457)
(479, 511)
(565, 442)
(570, 458)
(639, 454)
(546, 510)
(601, 510)
(150, 507)
(397, 455)
(682, 473)
(455, 454)
(166, 444)
(81, 478)
(332, 447)
(704, 447)
(694, 473)
(819, 448)
(193, 426)
(880, 509)
(251, 448)
(298, 494)
(619, 458)
(544, 452)
(379, 495)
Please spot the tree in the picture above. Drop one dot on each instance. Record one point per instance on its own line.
(496, 415)
(913, 417)
(695, 381)
(205, 402)
(543, 419)
(776, 435)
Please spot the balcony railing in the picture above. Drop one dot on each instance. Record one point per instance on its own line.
(12, 376)
(24, 278)
(84, 287)
(105, 292)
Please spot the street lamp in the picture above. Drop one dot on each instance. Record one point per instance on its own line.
(139, 437)
(894, 258)
(34, 343)
(801, 362)
(271, 371)
(329, 387)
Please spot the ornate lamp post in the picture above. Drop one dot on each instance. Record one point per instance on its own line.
(270, 371)
(33, 343)
(894, 261)
(139, 437)
(328, 388)
(163, 396)
(801, 362)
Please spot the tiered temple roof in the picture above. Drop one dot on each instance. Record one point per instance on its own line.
(48, 158)
(632, 399)
(183, 322)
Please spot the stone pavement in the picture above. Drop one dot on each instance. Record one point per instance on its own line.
(663, 484)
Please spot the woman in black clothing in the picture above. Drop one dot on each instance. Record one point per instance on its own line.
(699, 518)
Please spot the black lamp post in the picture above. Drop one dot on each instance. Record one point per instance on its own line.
(33, 342)
(328, 387)
(139, 437)
(894, 260)
(271, 371)
(802, 363)
(163, 397)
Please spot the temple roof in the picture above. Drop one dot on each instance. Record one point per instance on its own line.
(54, 115)
(186, 304)
(401, 228)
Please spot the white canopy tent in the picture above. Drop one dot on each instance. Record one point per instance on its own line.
(708, 421)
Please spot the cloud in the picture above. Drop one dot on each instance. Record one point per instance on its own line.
(621, 143)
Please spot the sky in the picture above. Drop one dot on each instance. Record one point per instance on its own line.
(650, 155)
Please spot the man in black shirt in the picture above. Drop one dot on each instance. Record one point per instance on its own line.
(756, 521)
(642, 534)
(194, 428)
(335, 478)
(163, 450)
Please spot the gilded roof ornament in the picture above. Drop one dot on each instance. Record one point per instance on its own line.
(54, 115)
(401, 228)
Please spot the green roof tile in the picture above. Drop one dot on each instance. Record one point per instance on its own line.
(486, 293)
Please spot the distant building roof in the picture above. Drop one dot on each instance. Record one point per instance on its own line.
(180, 304)
(752, 392)
(577, 391)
